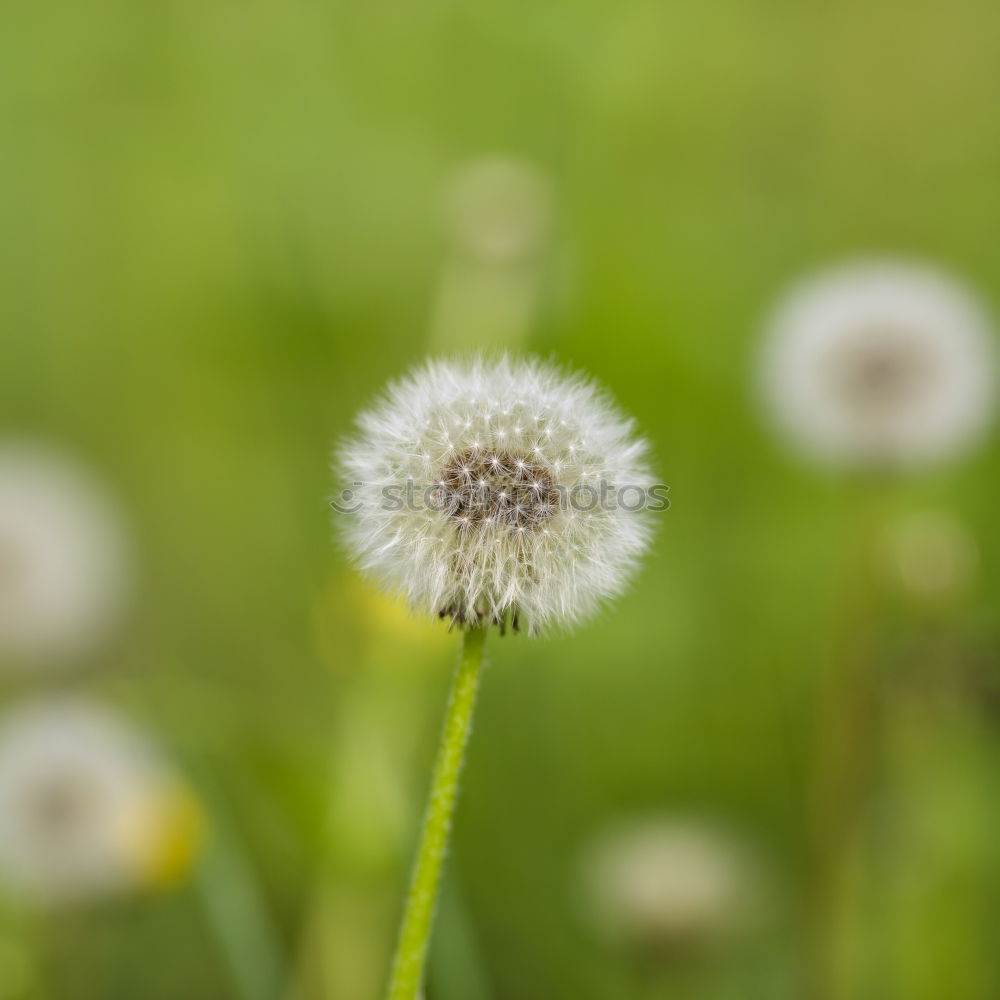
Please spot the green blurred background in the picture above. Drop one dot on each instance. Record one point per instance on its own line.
(221, 233)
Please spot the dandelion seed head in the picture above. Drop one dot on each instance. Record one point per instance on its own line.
(498, 535)
(63, 558)
(668, 887)
(87, 808)
(880, 363)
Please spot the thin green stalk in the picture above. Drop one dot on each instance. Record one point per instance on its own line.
(418, 916)
(239, 921)
(847, 746)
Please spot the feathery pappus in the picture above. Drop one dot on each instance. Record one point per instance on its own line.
(503, 491)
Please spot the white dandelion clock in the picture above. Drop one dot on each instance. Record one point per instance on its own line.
(880, 364)
(498, 491)
(489, 493)
(665, 886)
(87, 808)
(63, 558)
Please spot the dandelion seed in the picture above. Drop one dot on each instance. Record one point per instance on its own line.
(882, 364)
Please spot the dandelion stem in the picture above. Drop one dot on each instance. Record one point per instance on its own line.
(847, 745)
(418, 915)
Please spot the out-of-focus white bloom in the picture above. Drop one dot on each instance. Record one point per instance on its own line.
(498, 208)
(666, 886)
(87, 808)
(930, 555)
(488, 490)
(880, 363)
(62, 558)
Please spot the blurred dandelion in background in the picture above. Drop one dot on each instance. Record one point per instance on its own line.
(498, 221)
(880, 364)
(666, 888)
(88, 808)
(64, 560)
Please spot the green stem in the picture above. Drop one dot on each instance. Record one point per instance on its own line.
(238, 919)
(418, 916)
(847, 732)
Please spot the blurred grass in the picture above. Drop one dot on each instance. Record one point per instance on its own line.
(219, 236)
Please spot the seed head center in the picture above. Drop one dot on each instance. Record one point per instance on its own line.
(498, 487)
(883, 373)
(62, 802)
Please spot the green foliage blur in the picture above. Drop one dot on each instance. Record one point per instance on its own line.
(221, 233)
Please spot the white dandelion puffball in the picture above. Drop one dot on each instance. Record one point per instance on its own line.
(882, 364)
(488, 491)
(81, 801)
(498, 209)
(667, 886)
(63, 558)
